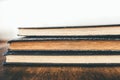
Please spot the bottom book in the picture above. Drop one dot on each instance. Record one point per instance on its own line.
(64, 59)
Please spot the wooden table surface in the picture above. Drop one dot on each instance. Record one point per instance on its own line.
(56, 73)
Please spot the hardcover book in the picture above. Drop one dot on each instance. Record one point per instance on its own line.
(70, 30)
(62, 57)
(66, 43)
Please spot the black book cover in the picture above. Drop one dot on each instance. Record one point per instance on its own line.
(48, 38)
(85, 26)
(62, 64)
(66, 52)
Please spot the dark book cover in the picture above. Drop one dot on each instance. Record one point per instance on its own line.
(65, 52)
(62, 64)
(49, 38)
(85, 26)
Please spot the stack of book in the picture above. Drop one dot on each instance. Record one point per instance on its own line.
(66, 45)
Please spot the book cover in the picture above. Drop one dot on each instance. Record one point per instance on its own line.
(64, 52)
(48, 38)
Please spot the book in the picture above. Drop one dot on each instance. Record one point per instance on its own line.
(70, 30)
(69, 59)
(31, 57)
(66, 43)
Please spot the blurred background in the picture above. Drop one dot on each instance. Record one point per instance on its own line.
(47, 13)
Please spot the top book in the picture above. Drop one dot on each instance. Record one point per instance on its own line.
(70, 30)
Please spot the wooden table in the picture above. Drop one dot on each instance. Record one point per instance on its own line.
(56, 73)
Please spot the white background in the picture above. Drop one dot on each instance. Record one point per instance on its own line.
(45, 13)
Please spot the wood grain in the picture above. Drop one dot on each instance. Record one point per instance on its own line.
(57, 73)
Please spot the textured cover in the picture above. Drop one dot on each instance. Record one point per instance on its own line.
(48, 38)
(62, 65)
(70, 52)
(108, 25)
